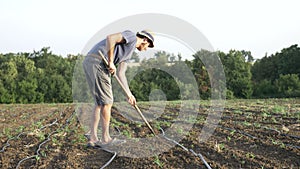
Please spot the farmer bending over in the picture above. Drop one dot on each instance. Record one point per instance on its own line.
(117, 49)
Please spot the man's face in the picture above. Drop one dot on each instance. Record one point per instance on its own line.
(144, 45)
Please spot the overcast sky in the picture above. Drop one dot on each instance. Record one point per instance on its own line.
(260, 26)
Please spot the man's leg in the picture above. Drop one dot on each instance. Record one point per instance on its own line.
(105, 120)
(94, 123)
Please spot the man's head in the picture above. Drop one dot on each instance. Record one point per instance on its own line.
(147, 40)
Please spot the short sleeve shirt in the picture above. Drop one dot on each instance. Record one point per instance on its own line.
(122, 51)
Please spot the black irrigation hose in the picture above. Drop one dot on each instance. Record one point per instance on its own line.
(288, 135)
(201, 157)
(293, 146)
(7, 142)
(192, 151)
(113, 152)
(253, 137)
(18, 136)
(283, 134)
(163, 133)
(111, 159)
(239, 131)
(37, 154)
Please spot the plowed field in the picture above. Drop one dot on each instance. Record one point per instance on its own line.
(249, 134)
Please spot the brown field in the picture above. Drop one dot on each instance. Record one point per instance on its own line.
(250, 134)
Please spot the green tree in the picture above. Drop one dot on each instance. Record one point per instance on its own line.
(238, 73)
(200, 73)
(26, 80)
(8, 76)
(288, 85)
(271, 67)
(264, 89)
(162, 57)
(56, 71)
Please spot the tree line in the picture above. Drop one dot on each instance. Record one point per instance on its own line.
(43, 77)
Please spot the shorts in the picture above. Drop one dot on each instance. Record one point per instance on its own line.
(99, 80)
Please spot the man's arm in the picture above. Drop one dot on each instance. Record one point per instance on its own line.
(111, 41)
(122, 67)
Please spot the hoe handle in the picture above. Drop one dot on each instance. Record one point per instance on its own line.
(122, 86)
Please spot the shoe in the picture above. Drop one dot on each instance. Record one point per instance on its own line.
(113, 142)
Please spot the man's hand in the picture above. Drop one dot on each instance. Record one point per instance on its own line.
(131, 100)
(112, 68)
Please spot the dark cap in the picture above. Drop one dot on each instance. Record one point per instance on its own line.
(148, 35)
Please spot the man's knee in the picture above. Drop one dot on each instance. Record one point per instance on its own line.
(106, 106)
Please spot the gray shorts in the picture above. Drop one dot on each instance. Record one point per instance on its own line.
(99, 80)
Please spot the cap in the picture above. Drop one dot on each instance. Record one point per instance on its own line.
(148, 35)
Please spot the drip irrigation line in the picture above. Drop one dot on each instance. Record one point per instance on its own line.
(37, 151)
(239, 131)
(192, 151)
(202, 158)
(24, 159)
(109, 151)
(268, 128)
(281, 134)
(169, 139)
(288, 135)
(7, 142)
(290, 145)
(163, 133)
(18, 136)
(111, 159)
(37, 154)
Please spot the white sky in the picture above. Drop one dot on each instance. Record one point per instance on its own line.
(66, 26)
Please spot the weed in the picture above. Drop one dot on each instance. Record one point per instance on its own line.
(273, 119)
(41, 136)
(274, 141)
(245, 123)
(158, 162)
(139, 125)
(38, 124)
(265, 113)
(126, 133)
(37, 157)
(219, 147)
(80, 138)
(180, 130)
(282, 145)
(20, 129)
(43, 154)
(7, 132)
(55, 141)
(232, 132)
(237, 112)
(257, 125)
(250, 155)
(192, 120)
(278, 109)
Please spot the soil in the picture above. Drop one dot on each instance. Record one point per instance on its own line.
(249, 134)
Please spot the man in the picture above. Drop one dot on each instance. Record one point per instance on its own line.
(117, 48)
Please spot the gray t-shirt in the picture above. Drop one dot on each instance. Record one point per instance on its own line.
(122, 51)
